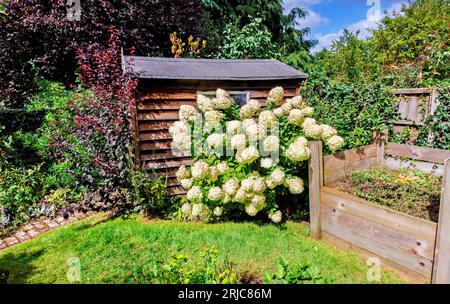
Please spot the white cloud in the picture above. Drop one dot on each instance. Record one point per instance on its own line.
(364, 26)
(313, 19)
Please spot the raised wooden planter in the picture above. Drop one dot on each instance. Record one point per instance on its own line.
(417, 250)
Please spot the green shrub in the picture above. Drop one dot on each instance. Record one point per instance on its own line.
(436, 132)
(253, 40)
(150, 193)
(303, 273)
(20, 189)
(355, 110)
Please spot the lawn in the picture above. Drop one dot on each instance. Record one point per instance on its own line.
(111, 251)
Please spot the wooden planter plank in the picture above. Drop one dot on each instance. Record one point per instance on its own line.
(400, 257)
(441, 272)
(413, 152)
(413, 91)
(423, 230)
(403, 272)
(390, 236)
(394, 163)
(341, 163)
(332, 174)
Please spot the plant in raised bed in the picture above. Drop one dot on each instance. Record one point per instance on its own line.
(245, 158)
(409, 191)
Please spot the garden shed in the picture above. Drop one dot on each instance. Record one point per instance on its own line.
(167, 83)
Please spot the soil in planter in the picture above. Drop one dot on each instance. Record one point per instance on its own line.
(409, 191)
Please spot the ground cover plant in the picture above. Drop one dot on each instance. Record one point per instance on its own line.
(118, 250)
(246, 158)
(409, 191)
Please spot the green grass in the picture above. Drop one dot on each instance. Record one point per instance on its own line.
(111, 250)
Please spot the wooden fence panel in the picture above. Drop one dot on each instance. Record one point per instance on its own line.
(414, 152)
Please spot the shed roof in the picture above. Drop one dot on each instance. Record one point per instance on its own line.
(211, 69)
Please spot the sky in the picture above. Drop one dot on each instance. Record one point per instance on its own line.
(328, 18)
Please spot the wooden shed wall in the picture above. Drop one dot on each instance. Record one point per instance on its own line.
(158, 103)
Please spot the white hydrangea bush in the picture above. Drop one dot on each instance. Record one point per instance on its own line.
(254, 156)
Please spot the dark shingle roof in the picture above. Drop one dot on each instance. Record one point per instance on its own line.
(211, 69)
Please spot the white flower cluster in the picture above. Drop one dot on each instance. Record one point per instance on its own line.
(215, 140)
(266, 163)
(335, 143)
(267, 119)
(276, 217)
(275, 95)
(238, 142)
(199, 170)
(298, 150)
(204, 103)
(215, 181)
(186, 183)
(271, 143)
(276, 178)
(234, 127)
(188, 113)
(215, 194)
(222, 101)
(250, 109)
(194, 194)
(247, 155)
(213, 117)
(295, 185)
(231, 186)
(181, 135)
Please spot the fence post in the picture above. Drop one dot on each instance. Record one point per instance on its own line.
(441, 266)
(315, 174)
(381, 140)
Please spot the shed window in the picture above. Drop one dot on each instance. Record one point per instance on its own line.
(240, 97)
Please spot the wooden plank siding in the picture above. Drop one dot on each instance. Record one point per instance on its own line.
(158, 103)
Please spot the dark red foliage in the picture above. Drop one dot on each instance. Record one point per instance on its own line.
(99, 119)
(39, 30)
(104, 123)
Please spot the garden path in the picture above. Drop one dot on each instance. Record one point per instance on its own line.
(39, 226)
